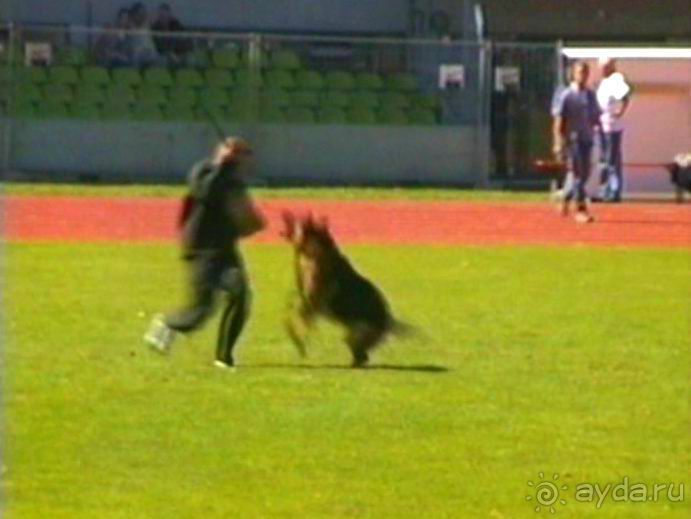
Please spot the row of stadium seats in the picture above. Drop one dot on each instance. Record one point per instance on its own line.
(217, 96)
(218, 77)
(152, 111)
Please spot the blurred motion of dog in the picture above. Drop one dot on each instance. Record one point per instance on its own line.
(329, 286)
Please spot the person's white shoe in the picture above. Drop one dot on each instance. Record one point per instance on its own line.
(222, 365)
(159, 336)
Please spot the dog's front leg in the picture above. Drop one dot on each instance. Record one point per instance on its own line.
(298, 324)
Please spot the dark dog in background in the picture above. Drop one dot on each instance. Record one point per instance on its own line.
(681, 178)
(329, 286)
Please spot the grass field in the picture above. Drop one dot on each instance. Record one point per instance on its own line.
(572, 361)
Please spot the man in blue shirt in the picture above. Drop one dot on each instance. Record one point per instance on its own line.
(576, 115)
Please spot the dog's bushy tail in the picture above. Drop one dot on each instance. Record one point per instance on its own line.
(403, 330)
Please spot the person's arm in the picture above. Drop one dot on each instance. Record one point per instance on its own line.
(624, 106)
(246, 217)
(558, 136)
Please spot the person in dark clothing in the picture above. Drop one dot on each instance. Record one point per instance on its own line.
(171, 47)
(217, 213)
(576, 114)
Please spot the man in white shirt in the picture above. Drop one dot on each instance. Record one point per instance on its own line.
(613, 96)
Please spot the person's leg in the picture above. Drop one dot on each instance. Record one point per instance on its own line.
(203, 274)
(162, 330)
(604, 164)
(235, 314)
(583, 152)
(617, 166)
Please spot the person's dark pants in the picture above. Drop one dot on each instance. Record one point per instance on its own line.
(579, 158)
(209, 274)
(612, 164)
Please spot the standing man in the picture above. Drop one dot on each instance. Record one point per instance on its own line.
(576, 114)
(217, 213)
(613, 96)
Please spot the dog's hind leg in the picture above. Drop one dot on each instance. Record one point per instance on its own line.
(361, 339)
(298, 324)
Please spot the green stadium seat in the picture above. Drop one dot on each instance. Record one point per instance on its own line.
(402, 83)
(272, 114)
(367, 99)
(158, 76)
(120, 93)
(395, 100)
(212, 97)
(422, 116)
(116, 109)
(90, 92)
(426, 101)
(218, 77)
(335, 99)
(340, 80)
(368, 81)
(180, 113)
(219, 113)
(332, 115)
(361, 115)
(241, 113)
(183, 96)
(23, 108)
(28, 91)
(393, 115)
(298, 115)
(246, 78)
(58, 93)
(189, 77)
(306, 98)
(309, 80)
(273, 97)
(227, 58)
(52, 110)
(65, 75)
(147, 110)
(152, 93)
(95, 76)
(285, 59)
(200, 58)
(86, 110)
(127, 76)
(278, 78)
(36, 75)
(73, 56)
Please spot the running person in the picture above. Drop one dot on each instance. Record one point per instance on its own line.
(576, 114)
(217, 213)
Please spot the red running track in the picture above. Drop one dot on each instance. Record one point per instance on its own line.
(84, 219)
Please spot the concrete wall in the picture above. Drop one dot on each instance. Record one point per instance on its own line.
(147, 152)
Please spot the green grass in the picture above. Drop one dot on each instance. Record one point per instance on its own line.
(568, 361)
(335, 193)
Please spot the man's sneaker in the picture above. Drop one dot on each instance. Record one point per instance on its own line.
(223, 365)
(159, 336)
(583, 217)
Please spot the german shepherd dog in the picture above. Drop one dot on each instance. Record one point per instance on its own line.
(328, 286)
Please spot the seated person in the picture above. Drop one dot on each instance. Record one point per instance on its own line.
(143, 49)
(113, 48)
(173, 48)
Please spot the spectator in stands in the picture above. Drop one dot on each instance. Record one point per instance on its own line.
(143, 49)
(172, 47)
(613, 96)
(113, 48)
(576, 115)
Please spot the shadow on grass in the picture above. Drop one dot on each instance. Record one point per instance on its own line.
(421, 368)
